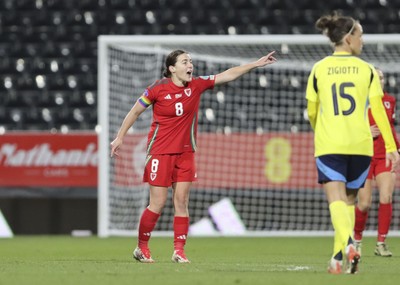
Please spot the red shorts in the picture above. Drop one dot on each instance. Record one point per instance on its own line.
(378, 165)
(165, 169)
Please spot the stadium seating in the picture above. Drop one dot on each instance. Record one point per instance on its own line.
(48, 71)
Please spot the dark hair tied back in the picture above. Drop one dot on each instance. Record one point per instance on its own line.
(335, 26)
(171, 60)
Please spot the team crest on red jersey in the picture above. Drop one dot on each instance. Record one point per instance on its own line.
(188, 92)
(387, 104)
(153, 176)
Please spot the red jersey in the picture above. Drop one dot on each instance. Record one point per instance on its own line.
(390, 106)
(175, 108)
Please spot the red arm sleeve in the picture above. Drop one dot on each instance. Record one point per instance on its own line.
(392, 121)
(395, 137)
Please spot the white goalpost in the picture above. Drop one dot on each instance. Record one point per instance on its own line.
(255, 165)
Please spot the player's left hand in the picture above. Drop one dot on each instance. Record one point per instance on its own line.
(266, 60)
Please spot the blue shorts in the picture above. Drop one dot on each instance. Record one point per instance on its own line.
(350, 169)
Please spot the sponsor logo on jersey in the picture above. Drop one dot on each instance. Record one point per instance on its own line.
(168, 97)
(153, 176)
(188, 92)
(146, 93)
(178, 95)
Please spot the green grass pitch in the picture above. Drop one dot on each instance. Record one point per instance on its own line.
(67, 260)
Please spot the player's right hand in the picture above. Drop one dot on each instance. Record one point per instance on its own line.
(115, 144)
(393, 157)
(375, 131)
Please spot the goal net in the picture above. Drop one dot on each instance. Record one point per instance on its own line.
(255, 165)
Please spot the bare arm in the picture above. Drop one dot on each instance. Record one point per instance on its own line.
(237, 71)
(129, 120)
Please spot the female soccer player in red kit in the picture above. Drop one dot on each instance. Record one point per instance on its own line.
(172, 142)
(385, 180)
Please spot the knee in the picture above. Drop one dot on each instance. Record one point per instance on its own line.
(181, 203)
(157, 205)
(363, 206)
(385, 199)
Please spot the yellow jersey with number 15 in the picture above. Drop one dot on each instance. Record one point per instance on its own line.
(341, 85)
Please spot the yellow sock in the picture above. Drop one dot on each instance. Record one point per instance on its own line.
(337, 245)
(341, 224)
(351, 209)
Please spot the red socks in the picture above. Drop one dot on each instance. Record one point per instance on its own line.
(147, 224)
(181, 229)
(361, 221)
(384, 220)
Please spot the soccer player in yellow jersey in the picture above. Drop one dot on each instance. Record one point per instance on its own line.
(339, 91)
